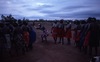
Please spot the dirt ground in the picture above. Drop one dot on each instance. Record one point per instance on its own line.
(50, 52)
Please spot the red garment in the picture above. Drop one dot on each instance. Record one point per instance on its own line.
(26, 38)
(87, 39)
(61, 32)
(68, 33)
(54, 32)
(74, 34)
(77, 36)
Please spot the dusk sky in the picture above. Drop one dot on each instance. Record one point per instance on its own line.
(51, 9)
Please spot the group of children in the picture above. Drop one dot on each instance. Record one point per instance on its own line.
(16, 37)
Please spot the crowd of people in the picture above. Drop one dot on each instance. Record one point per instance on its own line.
(15, 37)
(86, 34)
(19, 36)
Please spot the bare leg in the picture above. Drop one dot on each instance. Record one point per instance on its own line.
(68, 41)
(55, 39)
(62, 40)
(45, 39)
(59, 39)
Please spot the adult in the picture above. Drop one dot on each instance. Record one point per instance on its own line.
(61, 32)
(94, 36)
(68, 33)
(54, 31)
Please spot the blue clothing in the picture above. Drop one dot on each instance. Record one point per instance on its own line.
(32, 36)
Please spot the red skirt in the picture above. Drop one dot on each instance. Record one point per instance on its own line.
(68, 34)
(74, 34)
(77, 38)
(26, 38)
(61, 32)
(87, 37)
(54, 32)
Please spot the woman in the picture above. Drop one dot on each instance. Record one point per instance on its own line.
(94, 37)
(54, 31)
(32, 36)
(68, 33)
(77, 37)
(87, 38)
(18, 42)
(25, 30)
(61, 32)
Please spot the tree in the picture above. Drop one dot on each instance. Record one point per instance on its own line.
(41, 20)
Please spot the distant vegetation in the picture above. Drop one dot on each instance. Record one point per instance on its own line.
(11, 19)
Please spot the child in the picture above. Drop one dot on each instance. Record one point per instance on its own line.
(44, 34)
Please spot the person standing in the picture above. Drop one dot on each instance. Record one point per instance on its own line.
(61, 32)
(68, 33)
(54, 31)
(2, 42)
(87, 38)
(25, 30)
(7, 37)
(18, 42)
(94, 37)
(32, 36)
(44, 34)
(77, 36)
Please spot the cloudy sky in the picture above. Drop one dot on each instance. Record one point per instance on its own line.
(51, 9)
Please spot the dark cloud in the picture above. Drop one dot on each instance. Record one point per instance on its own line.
(34, 9)
(37, 17)
(81, 14)
(87, 14)
(25, 5)
(58, 15)
(72, 8)
(34, 16)
(41, 7)
(50, 8)
(48, 11)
